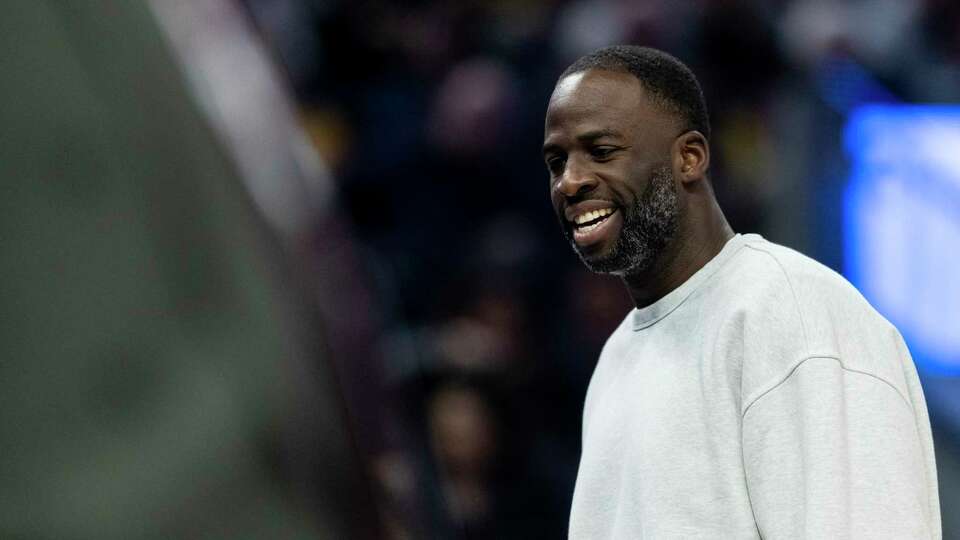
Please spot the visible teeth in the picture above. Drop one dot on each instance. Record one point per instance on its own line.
(588, 228)
(592, 215)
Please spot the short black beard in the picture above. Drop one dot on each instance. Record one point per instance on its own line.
(647, 228)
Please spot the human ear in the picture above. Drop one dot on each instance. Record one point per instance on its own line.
(691, 153)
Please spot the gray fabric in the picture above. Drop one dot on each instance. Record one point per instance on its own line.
(763, 398)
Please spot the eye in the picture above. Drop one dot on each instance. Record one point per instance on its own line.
(555, 164)
(602, 153)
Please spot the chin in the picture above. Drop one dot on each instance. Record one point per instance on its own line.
(618, 259)
(614, 268)
(602, 261)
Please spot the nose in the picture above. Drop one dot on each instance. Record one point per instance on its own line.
(575, 180)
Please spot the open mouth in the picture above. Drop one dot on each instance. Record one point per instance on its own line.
(592, 227)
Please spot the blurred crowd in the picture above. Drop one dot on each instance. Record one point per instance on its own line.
(465, 331)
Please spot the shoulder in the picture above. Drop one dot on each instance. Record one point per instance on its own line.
(614, 352)
(812, 283)
(752, 303)
(787, 308)
(769, 268)
(620, 336)
(831, 311)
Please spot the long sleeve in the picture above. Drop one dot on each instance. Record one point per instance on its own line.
(835, 453)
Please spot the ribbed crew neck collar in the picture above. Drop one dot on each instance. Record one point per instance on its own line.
(648, 316)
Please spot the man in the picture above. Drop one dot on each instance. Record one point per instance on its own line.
(752, 393)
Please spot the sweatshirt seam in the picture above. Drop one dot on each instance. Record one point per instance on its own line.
(793, 292)
(825, 357)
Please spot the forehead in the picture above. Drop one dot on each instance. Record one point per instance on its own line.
(602, 99)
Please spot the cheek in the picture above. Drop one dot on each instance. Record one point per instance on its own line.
(629, 183)
(557, 204)
(643, 176)
(555, 198)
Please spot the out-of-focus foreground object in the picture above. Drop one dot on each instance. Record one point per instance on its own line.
(158, 360)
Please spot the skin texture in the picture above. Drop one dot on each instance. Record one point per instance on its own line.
(607, 143)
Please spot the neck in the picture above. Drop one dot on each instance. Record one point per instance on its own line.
(699, 239)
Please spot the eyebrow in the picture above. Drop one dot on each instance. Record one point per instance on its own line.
(587, 137)
(591, 136)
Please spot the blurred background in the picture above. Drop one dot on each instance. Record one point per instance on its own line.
(288, 268)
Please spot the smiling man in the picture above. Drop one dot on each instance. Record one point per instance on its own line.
(752, 393)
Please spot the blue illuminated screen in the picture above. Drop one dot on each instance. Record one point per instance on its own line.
(902, 224)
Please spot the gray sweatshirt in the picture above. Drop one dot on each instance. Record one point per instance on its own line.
(763, 398)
